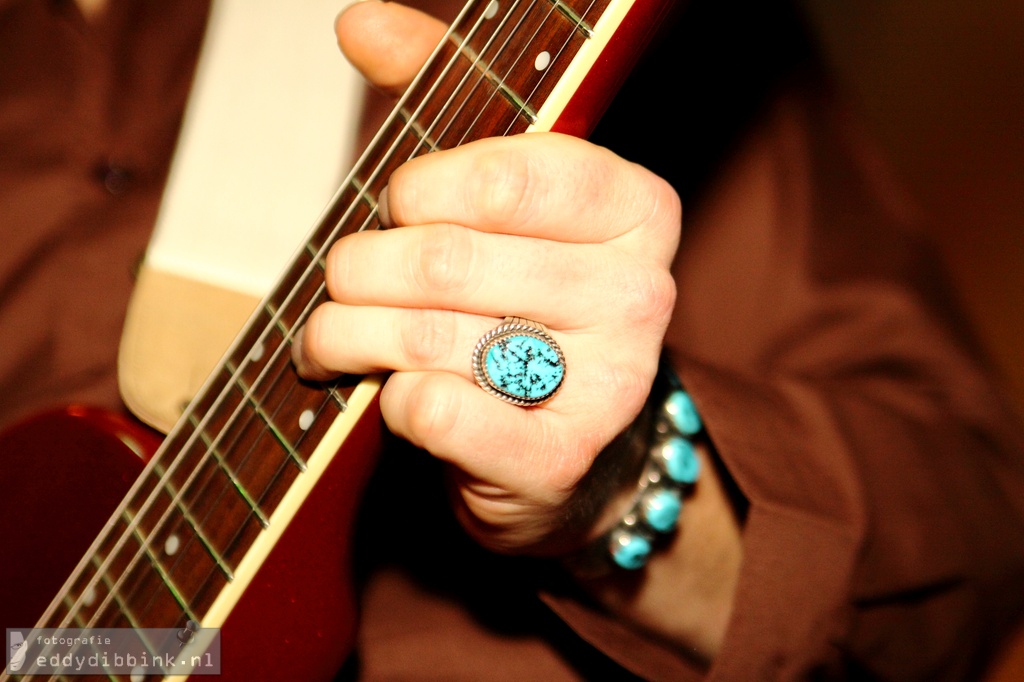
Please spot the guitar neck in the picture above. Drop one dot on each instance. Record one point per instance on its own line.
(210, 505)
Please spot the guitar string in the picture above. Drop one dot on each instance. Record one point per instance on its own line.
(526, 100)
(422, 139)
(482, 79)
(105, 566)
(529, 42)
(210, 384)
(444, 109)
(279, 374)
(565, 44)
(419, 144)
(439, 138)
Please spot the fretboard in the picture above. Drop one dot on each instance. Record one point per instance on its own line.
(192, 529)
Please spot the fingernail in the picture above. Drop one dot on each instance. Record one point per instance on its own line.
(383, 215)
(296, 349)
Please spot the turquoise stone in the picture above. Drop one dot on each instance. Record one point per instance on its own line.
(661, 509)
(630, 551)
(680, 409)
(524, 367)
(680, 458)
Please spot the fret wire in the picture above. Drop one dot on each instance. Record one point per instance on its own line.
(410, 119)
(579, 22)
(207, 543)
(512, 66)
(199, 428)
(190, 480)
(426, 97)
(562, 7)
(124, 610)
(360, 189)
(320, 263)
(480, 80)
(166, 579)
(151, 497)
(69, 602)
(119, 544)
(143, 509)
(331, 395)
(499, 84)
(361, 193)
(275, 431)
(583, 27)
(339, 400)
(483, 49)
(281, 466)
(286, 333)
(288, 336)
(418, 130)
(268, 421)
(211, 448)
(196, 525)
(254, 504)
(322, 250)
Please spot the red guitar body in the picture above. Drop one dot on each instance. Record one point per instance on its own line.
(66, 472)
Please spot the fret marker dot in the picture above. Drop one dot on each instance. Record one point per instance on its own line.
(138, 674)
(542, 61)
(89, 598)
(172, 545)
(492, 10)
(306, 419)
(257, 352)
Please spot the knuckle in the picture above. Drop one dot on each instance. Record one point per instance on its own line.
(662, 297)
(666, 214)
(427, 338)
(630, 384)
(648, 296)
(443, 261)
(667, 200)
(564, 473)
(504, 189)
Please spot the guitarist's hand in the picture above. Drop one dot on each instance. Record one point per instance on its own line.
(556, 230)
(542, 226)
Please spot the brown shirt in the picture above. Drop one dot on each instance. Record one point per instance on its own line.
(882, 475)
(88, 120)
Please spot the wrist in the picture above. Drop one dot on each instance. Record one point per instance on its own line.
(641, 516)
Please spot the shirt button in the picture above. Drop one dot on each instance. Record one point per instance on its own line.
(115, 179)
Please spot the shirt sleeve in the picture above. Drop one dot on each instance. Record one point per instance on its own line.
(881, 468)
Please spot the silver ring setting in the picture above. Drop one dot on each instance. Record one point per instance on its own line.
(519, 362)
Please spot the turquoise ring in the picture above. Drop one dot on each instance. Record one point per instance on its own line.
(519, 362)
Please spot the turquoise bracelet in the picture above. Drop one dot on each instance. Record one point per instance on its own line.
(672, 467)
